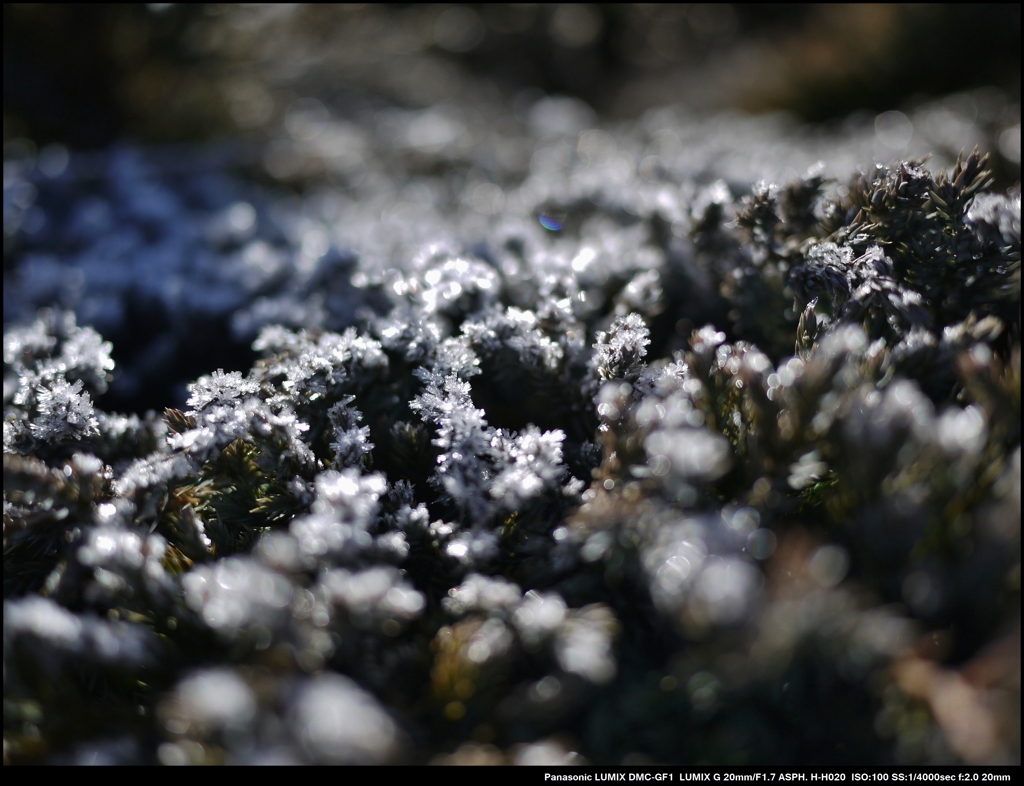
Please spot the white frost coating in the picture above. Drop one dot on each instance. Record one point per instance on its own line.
(586, 649)
(482, 593)
(537, 465)
(339, 723)
(215, 698)
(694, 453)
(727, 587)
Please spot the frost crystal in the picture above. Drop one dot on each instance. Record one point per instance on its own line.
(220, 388)
(537, 464)
(620, 351)
(64, 412)
(351, 441)
(563, 439)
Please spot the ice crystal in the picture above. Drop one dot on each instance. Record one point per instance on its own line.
(620, 351)
(64, 412)
(220, 388)
(552, 426)
(536, 464)
(351, 441)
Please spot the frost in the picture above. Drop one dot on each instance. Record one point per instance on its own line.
(826, 271)
(539, 616)
(237, 593)
(121, 564)
(455, 286)
(220, 388)
(55, 345)
(854, 286)
(619, 352)
(489, 642)
(351, 441)
(153, 471)
(994, 213)
(807, 471)
(518, 331)
(339, 723)
(693, 453)
(962, 431)
(413, 333)
(40, 634)
(727, 588)
(482, 593)
(372, 596)
(473, 549)
(64, 412)
(537, 465)
(253, 421)
(885, 419)
(674, 562)
(584, 645)
(348, 495)
(556, 424)
(307, 368)
(464, 437)
(212, 699)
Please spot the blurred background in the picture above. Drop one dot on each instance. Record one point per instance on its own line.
(87, 75)
(147, 146)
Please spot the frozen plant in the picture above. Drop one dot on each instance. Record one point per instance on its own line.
(636, 449)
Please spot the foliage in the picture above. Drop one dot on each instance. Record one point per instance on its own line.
(687, 473)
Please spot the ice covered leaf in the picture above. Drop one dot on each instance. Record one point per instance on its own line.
(64, 412)
(826, 271)
(54, 345)
(996, 217)
(619, 353)
(519, 331)
(694, 453)
(536, 466)
(351, 441)
(220, 388)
